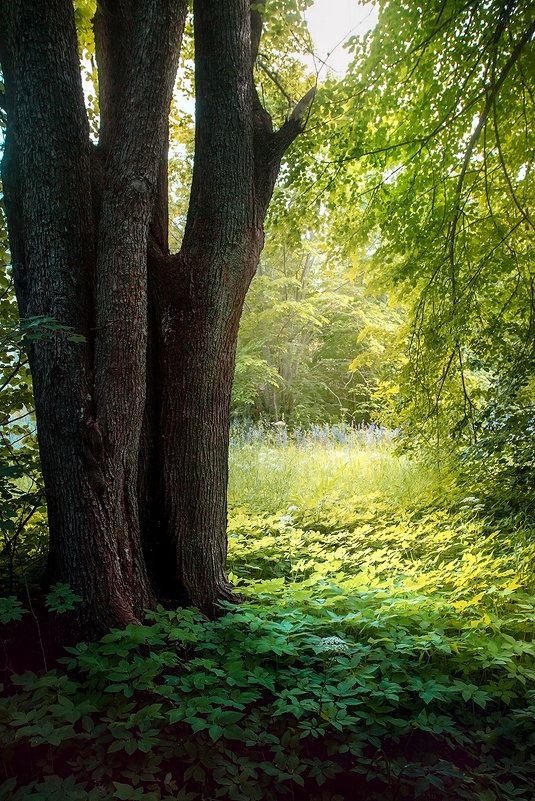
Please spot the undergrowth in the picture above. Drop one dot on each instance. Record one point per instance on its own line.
(383, 650)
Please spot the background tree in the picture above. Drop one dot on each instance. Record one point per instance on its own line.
(133, 420)
(312, 340)
(426, 174)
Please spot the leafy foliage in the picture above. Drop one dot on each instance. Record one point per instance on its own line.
(501, 462)
(380, 649)
(22, 512)
(312, 340)
(23, 520)
(424, 174)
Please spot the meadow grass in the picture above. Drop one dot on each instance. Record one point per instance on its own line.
(365, 516)
(265, 476)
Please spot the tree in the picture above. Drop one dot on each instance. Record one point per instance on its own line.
(133, 420)
(428, 178)
(312, 340)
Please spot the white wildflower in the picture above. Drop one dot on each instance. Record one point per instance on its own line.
(286, 520)
(333, 645)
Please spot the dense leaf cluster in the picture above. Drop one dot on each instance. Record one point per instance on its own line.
(420, 163)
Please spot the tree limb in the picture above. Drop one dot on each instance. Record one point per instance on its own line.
(224, 149)
(294, 125)
(133, 165)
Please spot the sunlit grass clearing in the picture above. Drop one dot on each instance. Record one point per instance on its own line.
(264, 477)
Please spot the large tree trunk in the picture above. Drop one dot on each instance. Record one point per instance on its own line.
(48, 200)
(197, 348)
(133, 422)
(198, 320)
(199, 297)
(89, 275)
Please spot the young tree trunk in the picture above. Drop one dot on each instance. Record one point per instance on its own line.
(133, 422)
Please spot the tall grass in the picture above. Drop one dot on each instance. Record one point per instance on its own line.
(273, 469)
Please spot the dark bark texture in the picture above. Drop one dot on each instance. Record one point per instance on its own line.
(133, 422)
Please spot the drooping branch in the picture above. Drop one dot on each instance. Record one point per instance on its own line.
(514, 197)
(491, 96)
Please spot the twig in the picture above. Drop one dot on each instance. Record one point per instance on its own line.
(271, 75)
(36, 623)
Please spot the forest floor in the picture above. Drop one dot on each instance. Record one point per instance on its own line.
(384, 650)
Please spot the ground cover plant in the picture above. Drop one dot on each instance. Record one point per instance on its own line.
(383, 650)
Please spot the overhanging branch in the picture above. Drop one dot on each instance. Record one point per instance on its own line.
(492, 94)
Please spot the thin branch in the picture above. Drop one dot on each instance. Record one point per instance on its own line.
(486, 258)
(37, 625)
(445, 373)
(512, 192)
(273, 77)
(22, 416)
(13, 373)
(468, 404)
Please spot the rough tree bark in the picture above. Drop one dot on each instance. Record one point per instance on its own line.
(133, 422)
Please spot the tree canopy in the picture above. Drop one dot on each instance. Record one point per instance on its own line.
(421, 170)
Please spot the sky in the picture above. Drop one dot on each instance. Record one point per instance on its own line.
(330, 23)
